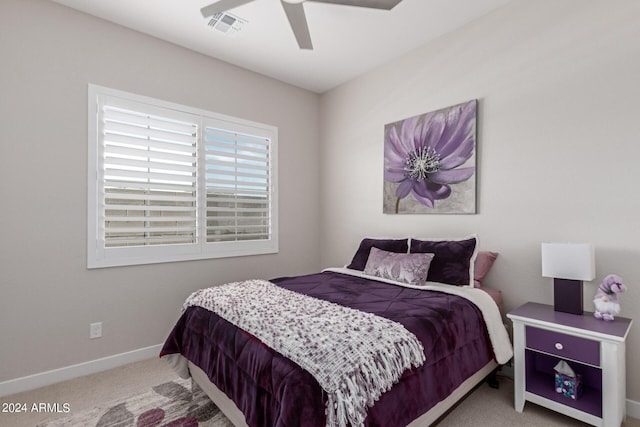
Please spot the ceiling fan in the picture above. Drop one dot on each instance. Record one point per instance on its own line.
(295, 13)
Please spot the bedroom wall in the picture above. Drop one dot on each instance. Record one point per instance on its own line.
(49, 54)
(558, 149)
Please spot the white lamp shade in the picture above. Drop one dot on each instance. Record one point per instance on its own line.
(574, 261)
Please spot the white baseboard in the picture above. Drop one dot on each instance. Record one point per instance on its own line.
(506, 371)
(633, 409)
(42, 379)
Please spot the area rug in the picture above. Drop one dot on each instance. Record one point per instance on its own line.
(178, 403)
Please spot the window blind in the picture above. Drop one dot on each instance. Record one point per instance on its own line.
(238, 186)
(149, 179)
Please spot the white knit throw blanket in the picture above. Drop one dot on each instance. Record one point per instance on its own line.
(354, 356)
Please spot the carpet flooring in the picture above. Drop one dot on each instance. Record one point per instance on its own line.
(150, 388)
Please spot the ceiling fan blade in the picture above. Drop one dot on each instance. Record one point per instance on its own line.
(298, 21)
(373, 4)
(221, 6)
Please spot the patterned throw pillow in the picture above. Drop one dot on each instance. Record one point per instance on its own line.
(406, 268)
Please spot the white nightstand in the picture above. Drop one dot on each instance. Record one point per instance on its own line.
(593, 348)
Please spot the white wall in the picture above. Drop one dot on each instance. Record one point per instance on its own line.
(48, 55)
(558, 143)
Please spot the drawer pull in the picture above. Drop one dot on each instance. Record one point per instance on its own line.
(559, 346)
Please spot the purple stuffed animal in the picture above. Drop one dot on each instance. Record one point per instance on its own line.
(606, 299)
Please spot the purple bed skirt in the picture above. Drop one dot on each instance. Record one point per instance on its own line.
(272, 391)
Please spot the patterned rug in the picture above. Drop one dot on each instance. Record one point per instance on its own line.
(174, 404)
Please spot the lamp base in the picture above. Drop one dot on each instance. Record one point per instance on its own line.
(567, 296)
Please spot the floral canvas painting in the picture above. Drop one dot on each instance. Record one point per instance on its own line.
(430, 162)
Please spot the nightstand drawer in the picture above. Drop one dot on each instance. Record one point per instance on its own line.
(568, 346)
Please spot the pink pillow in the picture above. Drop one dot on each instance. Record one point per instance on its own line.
(497, 297)
(484, 261)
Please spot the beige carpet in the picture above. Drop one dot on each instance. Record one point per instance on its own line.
(89, 391)
(484, 407)
(489, 407)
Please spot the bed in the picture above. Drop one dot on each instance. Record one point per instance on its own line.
(458, 326)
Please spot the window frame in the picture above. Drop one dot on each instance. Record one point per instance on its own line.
(99, 256)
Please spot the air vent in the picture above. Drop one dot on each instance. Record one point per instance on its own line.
(227, 23)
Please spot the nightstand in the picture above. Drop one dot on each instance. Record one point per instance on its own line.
(594, 348)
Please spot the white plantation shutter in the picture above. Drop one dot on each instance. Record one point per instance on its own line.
(149, 178)
(238, 186)
(170, 183)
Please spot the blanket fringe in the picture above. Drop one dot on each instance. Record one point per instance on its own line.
(364, 386)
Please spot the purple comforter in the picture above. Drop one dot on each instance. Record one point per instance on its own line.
(273, 391)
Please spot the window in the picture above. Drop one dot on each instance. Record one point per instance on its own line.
(171, 183)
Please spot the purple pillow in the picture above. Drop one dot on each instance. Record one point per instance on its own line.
(359, 260)
(453, 262)
(406, 268)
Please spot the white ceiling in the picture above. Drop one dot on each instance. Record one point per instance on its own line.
(348, 41)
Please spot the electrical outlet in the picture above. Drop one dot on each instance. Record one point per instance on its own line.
(95, 330)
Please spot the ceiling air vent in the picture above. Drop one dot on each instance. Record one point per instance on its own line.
(227, 23)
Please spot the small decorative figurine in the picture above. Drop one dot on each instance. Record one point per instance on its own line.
(606, 299)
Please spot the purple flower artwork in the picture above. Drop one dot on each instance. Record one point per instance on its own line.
(429, 162)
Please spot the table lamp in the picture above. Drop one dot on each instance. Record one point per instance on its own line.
(569, 264)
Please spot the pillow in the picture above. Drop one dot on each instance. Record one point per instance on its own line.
(406, 268)
(497, 297)
(454, 260)
(359, 260)
(484, 261)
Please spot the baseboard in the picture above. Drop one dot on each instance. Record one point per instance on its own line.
(633, 409)
(506, 370)
(42, 379)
